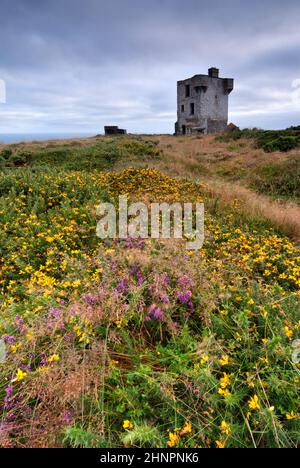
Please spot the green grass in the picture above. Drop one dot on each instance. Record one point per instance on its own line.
(279, 178)
(98, 156)
(268, 140)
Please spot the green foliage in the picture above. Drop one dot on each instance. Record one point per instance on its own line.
(9, 159)
(279, 178)
(143, 435)
(99, 156)
(278, 141)
(237, 134)
(77, 437)
(269, 140)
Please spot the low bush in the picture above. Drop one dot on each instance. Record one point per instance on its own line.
(279, 178)
(269, 140)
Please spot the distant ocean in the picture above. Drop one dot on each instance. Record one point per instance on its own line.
(19, 137)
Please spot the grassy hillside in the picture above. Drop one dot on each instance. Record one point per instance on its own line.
(143, 343)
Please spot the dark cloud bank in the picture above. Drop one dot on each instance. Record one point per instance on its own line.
(73, 65)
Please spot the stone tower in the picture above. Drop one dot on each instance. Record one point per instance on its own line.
(202, 103)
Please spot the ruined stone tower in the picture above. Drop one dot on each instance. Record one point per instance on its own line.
(202, 103)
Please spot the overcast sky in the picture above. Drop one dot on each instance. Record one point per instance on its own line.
(77, 65)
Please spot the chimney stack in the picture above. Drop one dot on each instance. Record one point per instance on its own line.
(213, 72)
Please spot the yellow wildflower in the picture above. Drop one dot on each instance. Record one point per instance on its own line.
(127, 424)
(220, 445)
(42, 369)
(224, 361)
(225, 428)
(174, 439)
(204, 359)
(225, 393)
(187, 429)
(20, 375)
(225, 380)
(288, 332)
(15, 348)
(291, 416)
(53, 358)
(253, 403)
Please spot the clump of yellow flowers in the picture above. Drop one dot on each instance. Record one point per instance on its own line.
(175, 437)
(20, 375)
(127, 424)
(253, 403)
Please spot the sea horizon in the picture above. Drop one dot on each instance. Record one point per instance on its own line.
(7, 138)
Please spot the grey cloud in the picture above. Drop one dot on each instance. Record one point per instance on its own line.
(78, 65)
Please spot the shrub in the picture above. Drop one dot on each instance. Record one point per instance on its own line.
(20, 158)
(276, 141)
(269, 140)
(282, 178)
(6, 153)
(8, 158)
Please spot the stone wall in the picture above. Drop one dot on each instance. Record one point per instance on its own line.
(207, 97)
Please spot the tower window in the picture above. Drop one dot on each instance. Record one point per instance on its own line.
(187, 90)
(182, 108)
(192, 108)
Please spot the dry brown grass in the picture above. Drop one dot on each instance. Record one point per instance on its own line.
(206, 156)
(225, 174)
(284, 216)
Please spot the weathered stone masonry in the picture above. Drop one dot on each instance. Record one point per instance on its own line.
(202, 103)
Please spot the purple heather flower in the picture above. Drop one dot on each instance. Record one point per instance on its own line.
(9, 391)
(151, 309)
(158, 314)
(19, 322)
(164, 279)
(155, 312)
(44, 360)
(131, 243)
(122, 286)
(90, 300)
(69, 337)
(185, 282)
(136, 271)
(165, 299)
(8, 407)
(8, 339)
(139, 278)
(184, 298)
(3, 426)
(67, 417)
(55, 320)
(25, 367)
(55, 312)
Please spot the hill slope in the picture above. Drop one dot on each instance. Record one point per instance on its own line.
(145, 343)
